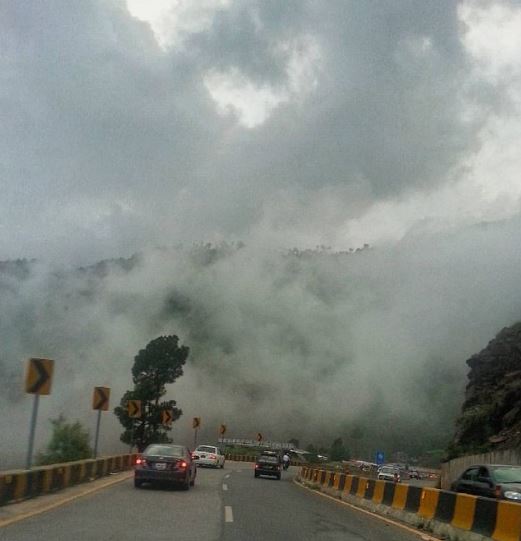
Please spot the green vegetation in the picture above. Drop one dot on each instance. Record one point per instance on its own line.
(69, 442)
(160, 363)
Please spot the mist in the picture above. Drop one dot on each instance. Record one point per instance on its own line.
(299, 343)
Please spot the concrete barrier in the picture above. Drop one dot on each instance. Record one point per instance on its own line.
(18, 485)
(448, 514)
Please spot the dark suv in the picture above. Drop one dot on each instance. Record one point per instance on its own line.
(268, 464)
(491, 480)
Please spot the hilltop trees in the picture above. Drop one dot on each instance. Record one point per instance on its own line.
(160, 363)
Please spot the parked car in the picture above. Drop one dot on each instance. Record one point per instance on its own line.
(267, 464)
(165, 463)
(208, 455)
(490, 480)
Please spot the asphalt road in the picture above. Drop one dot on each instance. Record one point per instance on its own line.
(224, 505)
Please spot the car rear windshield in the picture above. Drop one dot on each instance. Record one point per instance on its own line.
(206, 449)
(508, 475)
(387, 470)
(269, 459)
(165, 450)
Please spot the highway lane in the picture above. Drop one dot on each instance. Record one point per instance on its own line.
(225, 505)
(268, 509)
(122, 512)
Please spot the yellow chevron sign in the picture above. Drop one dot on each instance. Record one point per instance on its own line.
(100, 398)
(167, 417)
(38, 376)
(134, 409)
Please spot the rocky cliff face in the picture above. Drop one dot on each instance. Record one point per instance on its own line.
(491, 414)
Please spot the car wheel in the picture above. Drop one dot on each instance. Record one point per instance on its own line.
(186, 484)
(192, 482)
(138, 483)
(222, 465)
(256, 474)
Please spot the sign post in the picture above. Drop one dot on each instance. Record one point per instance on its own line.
(38, 379)
(100, 402)
(134, 412)
(196, 423)
(222, 432)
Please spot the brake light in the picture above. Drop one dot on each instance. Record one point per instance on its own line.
(183, 464)
(139, 460)
(257, 466)
(213, 456)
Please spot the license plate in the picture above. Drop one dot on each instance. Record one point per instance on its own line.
(203, 456)
(160, 465)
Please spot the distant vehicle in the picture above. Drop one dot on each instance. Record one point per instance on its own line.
(414, 474)
(165, 463)
(268, 452)
(208, 455)
(268, 465)
(490, 480)
(389, 473)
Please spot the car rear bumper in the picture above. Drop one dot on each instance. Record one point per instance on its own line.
(262, 471)
(207, 462)
(156, 475)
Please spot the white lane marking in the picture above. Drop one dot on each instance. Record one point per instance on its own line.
(227, 475)
(228, 513)
(225, 486)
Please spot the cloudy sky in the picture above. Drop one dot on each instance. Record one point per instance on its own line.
(129, 124)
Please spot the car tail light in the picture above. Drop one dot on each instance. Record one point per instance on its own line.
(257, 466)
(183, 464)
(212, 456)
(140, 460)
(497, 492)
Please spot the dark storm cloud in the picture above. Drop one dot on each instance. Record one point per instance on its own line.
(109, 138)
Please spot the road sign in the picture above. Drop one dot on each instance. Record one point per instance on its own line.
(222, 430)
(196, 422)
(380, 457)
(259, 436)
(134, 409)
(100, 398)
(167, 417)
(38, 376)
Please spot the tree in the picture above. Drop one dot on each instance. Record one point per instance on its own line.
(160, 363)
(69, 442)
(338, 451)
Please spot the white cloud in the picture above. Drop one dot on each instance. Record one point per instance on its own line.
(252, 103)
(492, 36)
(172, 21)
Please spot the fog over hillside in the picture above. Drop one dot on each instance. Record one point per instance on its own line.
(307, 344)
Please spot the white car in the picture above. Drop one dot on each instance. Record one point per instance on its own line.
(389, 473)
(208, 455)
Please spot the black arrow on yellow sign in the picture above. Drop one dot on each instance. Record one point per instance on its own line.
(100, 398)
(166, 417)
(39, 376)
(134, 409)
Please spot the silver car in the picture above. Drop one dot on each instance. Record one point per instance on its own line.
(208, 455)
